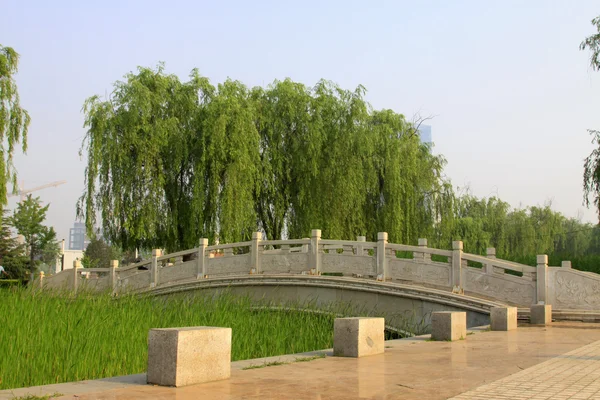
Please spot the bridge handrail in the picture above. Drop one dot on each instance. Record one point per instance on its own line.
(228, 246)
(357, 258)
(178, 254)
(136, 265)
(80, 270)
(498, 263)
(418, 249)
(330, 242)
(293, 242)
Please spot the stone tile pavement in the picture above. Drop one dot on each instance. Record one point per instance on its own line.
(573, 375)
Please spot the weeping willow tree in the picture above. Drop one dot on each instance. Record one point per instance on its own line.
(170, 162)
(14, 120)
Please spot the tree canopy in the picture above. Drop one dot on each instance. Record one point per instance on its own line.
(591, 167)
(40, 241)
(14, 120)
(99, 254)
(12, 253)
(170, 162)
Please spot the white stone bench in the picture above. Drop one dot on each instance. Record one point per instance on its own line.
(503, 318)
(358, 337)
(188, 356)
(448, 325)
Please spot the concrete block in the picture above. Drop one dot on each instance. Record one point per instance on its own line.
(188, 356)
(448, 325)
(540, 314)
(358, 337)
(503, 318)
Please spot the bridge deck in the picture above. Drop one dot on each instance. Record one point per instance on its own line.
(531, 360)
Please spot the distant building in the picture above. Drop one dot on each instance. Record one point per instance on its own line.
(425, 133)
(66, 258)
(78, 239)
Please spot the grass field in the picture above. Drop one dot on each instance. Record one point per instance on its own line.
(48, 338)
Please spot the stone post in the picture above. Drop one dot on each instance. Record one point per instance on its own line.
(457, 250)
(542, 278)
(360, 250)
(154, 272)
(112, 275)
(188, 356)
(566, 264)
(305, 246)
(76, 264)
(382, 272)
(201, 259)
(255, 253)
(422, 257)
(315, 255)
(41, 279)
(490, 253)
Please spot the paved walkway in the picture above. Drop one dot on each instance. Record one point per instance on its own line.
(531, 362)
(574, 375)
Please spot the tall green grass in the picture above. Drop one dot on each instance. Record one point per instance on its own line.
(47, 338)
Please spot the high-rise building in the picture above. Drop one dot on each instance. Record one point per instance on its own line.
(78, 240)
(425, 133)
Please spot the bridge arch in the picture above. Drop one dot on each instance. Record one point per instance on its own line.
(401, 305)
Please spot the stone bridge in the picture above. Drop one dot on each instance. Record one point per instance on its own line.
(392, 279)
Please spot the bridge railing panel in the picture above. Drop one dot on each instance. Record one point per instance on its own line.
(278, 262)
(229, 265)
(178, 271)
(139, 280)
(347, 247)
(572, 289)
(95, 279)
(284, 246)
(418, 249)
(179, 255)
(499, 266)
(133, 269)
(349, 258)
(60, 281)
(416, 271)
(499, 279)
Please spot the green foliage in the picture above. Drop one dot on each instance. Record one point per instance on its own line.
(12, 254)
(171, 162)
(592, 43)
(99, 254)
(96, 336)
(591, 174)
(40, 240)
(14, 121)
(591, 166)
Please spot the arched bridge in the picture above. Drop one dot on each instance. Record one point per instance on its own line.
(392, 279)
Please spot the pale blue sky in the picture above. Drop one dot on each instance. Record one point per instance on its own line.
(511, 93)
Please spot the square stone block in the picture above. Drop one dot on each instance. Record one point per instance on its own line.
(358, 337)
(448, 325)
(188, 356)
(503, 318)
(540, 314)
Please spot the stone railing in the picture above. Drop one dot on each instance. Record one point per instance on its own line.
(452, 270)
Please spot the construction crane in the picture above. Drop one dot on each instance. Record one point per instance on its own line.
(23, 192)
